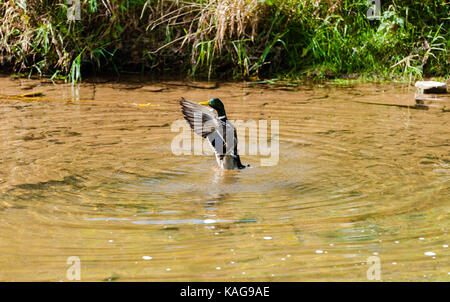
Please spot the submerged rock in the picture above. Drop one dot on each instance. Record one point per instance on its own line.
(427, 87)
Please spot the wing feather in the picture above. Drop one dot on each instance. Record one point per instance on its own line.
(221, 134)
(201, 119)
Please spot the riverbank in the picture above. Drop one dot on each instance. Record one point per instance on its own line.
(226, 39)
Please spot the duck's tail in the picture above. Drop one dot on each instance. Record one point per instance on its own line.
(239, 164)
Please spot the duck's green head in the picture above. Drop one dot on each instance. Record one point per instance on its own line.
(217, 105)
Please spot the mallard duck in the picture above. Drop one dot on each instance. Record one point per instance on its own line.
(216, 128)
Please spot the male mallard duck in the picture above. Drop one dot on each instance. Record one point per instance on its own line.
(219, 131)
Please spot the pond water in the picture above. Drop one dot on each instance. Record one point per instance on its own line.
(89, 171)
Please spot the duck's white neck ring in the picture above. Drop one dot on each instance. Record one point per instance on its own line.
(222, 117)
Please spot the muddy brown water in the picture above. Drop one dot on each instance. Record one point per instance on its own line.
(88, 171)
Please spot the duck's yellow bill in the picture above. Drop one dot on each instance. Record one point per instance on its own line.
(204, 103)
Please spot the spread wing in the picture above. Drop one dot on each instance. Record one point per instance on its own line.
(220, 133)
(201, 119)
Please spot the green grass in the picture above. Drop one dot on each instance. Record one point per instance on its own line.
(252, 39)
